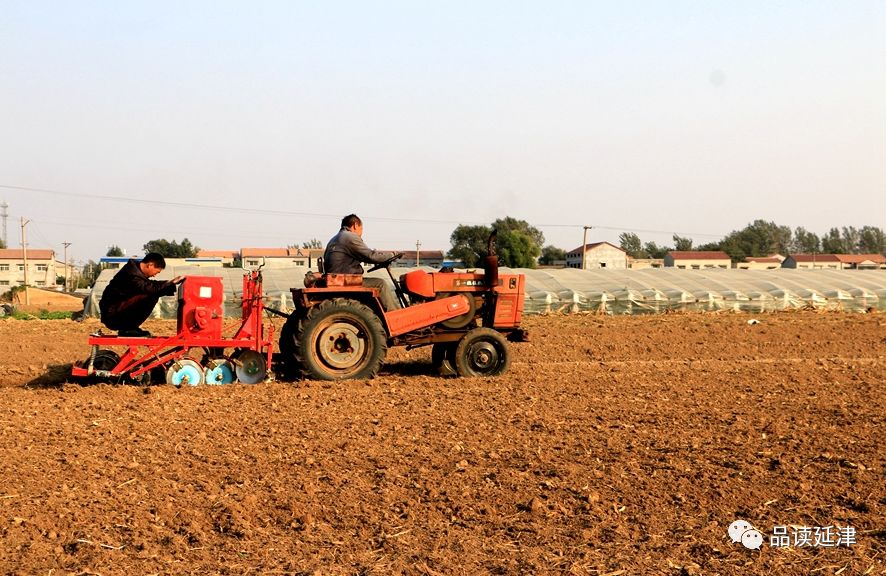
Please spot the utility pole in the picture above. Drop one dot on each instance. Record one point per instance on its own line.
(417, 246)
(25, 258)
(66, 244)
(584, 246)
(3, 215)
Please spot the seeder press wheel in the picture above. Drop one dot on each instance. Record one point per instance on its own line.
(250, 367)
(218, 371)
(185, 372)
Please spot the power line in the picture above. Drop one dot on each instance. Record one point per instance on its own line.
(264, 211)
(195, 205)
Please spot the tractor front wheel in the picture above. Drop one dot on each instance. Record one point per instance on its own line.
(482, 352)
(340, 339)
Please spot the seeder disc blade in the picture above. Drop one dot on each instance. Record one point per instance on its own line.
(218, 372)
(251, 367)
(185, 372)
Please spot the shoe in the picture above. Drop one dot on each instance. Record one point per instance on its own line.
(134, 333)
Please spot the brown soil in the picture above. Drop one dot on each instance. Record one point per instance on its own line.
(615, 445)
(49, 300)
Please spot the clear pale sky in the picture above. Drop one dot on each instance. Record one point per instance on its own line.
(648, 116)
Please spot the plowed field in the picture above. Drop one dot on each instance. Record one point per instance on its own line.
(615, 445)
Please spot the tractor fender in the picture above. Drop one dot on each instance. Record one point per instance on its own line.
(426, 314)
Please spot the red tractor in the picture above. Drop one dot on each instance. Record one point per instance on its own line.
(339, 329)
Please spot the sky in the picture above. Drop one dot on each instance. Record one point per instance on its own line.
(261, 124)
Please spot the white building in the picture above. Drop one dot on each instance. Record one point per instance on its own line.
(761, 262)
(279, 257)
(42, 268)
(598, 255)
(835, 261)
(697, 259)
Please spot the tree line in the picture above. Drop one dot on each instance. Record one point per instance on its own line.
(521, 245)
(762, 238)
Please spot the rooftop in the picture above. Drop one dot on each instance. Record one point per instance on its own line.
(699, 255)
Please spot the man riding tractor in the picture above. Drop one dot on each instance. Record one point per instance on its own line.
(341, 328)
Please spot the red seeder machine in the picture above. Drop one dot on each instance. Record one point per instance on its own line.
(245, 356)
(337, 331)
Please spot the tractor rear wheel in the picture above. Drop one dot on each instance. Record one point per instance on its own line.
(460, 321)
(340, 339)
(289, 368)
(482, 352)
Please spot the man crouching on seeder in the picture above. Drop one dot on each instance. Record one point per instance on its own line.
(131, 295)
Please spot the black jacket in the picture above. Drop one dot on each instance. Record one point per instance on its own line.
(128, 282)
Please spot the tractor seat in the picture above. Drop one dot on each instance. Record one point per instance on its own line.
(331, 280)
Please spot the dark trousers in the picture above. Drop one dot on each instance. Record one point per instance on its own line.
(130, 313)
(386, 292)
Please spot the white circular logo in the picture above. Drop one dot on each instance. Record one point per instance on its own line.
(742, 531)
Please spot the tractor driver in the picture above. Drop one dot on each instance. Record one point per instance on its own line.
(346, 251)
(131, 295)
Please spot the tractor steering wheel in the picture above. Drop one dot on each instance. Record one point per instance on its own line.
(386, 263)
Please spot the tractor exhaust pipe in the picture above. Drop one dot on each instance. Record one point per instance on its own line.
(490, 263)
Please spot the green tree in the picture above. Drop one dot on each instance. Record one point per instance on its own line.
(551, 254)
(653, 250)
(508, 224)
(516, 250)
(88, 274)
(313, 243)
(832, 242)
(759, 238)
(2, 244)
(630, 243)
(851, 239)
(805, 242)
(115, 251)
(469, 244)
(872, 240)
(682, 244)
(172, 249)
(519, 243)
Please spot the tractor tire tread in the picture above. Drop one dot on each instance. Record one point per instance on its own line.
(302, 351)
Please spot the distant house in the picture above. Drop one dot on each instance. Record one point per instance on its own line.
(835, 261)
(598, 255)
(227, 257)
(645, 263)
(72, 274)
(42, 268)
(697, 260)
(761, 262)
(412, 258)
(114, 262)
(862, 261)
(279, 257)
